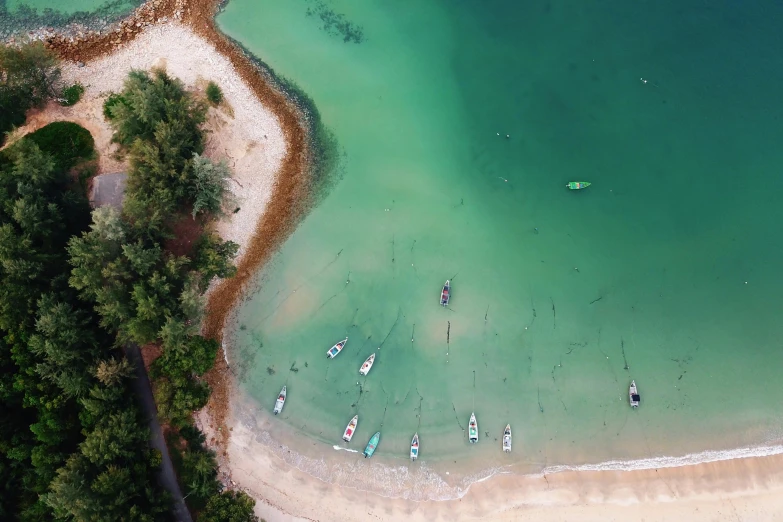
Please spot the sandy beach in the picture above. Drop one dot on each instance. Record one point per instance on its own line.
(257, 132)
(731, 490)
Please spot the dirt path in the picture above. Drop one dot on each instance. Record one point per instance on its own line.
(166, 477)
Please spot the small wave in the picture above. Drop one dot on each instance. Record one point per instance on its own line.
(338, 448)
(671, 462)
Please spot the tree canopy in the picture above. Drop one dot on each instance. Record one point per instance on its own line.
(28, 75)
(76, 286)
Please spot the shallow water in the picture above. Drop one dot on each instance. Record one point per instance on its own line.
(665, 270)
(66, 7)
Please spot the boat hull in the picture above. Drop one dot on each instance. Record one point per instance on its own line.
(415, 447)
(578, 185)
(372, 445)
(350, 429)
(445, 294)
(473, 429)
(367, 366)
(335, 350)
(280, 402)
(507, 439)
(633, 395)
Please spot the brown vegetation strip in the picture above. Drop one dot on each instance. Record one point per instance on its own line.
(291, 189)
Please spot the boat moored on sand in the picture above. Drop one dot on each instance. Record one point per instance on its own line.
(415, 447)
(507, 439)
(370, 449)
(473, 429)
(365, 369)
(337, 348)
(350, 429)
(445, 294)
(577, 185)
(280, 402)
(633, 394)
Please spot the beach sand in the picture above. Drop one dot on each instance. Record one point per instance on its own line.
(745, 489)
(258, 133)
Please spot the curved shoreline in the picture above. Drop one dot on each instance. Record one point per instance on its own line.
(579, 493)
(291, 189)
(328, 485)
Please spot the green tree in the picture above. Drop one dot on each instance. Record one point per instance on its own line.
(27, 78)
(213, 258)
(66, 346)
(156, 108)
(209, 185)
(230, 506)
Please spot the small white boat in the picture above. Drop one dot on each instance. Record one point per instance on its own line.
(473, 429)
(445, 294)
(337, 348)
(415, 447)
(350, 429)
(507, 439)
(633, 393)
(365, 369)
(280, 402)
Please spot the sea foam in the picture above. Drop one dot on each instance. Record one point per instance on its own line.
(671, 462)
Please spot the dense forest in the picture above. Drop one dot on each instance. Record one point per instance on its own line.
(78, 287)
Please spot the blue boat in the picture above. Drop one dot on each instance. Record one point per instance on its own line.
(370, 449)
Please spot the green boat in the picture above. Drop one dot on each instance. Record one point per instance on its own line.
(370, 449)
(576, 185)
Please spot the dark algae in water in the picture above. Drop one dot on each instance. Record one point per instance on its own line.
(335, 24)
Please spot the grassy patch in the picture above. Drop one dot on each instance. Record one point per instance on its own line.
(71, 94)
(214, 93)
(67, 142)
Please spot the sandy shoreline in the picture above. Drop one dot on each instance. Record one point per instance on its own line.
(733, 489)
(266, 130)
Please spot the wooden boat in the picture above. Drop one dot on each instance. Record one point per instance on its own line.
(473, 429)
(280, 402)
(350, 429)
(507, 439)
(334, 350)
(633, 393)
(370, 448)
(365, 369)
(576, 185)
(415, 447)
(445, 294)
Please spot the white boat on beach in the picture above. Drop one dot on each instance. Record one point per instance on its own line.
(473, 429)
(507, 439)
(365, 369)
(350, 429)
(633, 393)
(415, 447)
(280, 402)
(337, 348)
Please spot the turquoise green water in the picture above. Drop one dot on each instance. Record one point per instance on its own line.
(20, 16)
(71, 6)
(665, 270)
